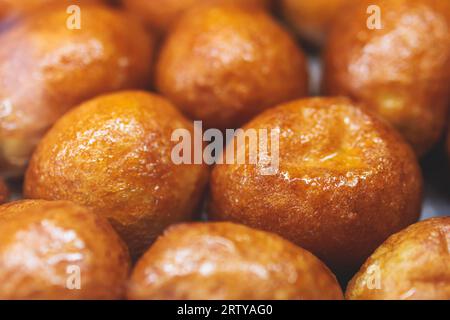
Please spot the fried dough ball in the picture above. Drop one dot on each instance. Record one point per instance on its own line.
(160, 16)
(59, 250)
(46, 68)
(312, 20)
(345, 181)
(401, 71)
(413, 264)
(225, 64)
(4, 192)
(229, 261)
(113, 154)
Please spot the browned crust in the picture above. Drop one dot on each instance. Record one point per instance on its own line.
(40, 240)
(225, 64)
(401, 71)
(113, 154)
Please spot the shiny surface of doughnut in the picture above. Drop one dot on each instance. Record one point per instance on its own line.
(312, 20)
(401, 71)
(47, 68)
(113, 154)
(225, 64)
(346, 181)
(229, 261)
(44, 243)
(413, 264)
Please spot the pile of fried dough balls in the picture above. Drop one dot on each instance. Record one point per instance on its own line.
(88, 109)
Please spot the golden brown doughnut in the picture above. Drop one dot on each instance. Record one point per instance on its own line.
(346, 181)
(401, 71)
(312, 19)
(45, 245)
(160, 16)
(413, 264)
(229, 261)
(448, 143)
(46, 68)
(224, 64)
(113, 154)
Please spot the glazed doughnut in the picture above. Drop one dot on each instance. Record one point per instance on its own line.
(413, 264)
(44, 243)
(113, 154)
(160, 16)
(401, 71)
(225, 64)
(229, 261)
(345, 181)
(47, 68)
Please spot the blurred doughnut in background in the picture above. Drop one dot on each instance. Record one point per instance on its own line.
(222, 261)
(13, 9)
(43, 243)
(346, 181)
(4, 192)
(401, 71)
(413, 264)
(159, 15)
(47, 68)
